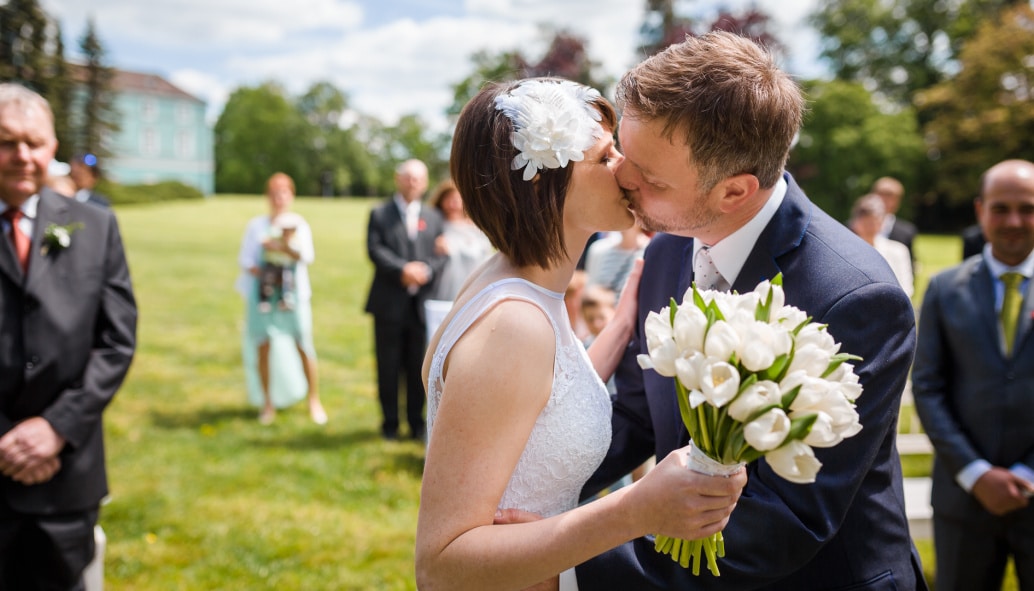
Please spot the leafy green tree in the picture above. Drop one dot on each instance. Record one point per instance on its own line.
(663, 26)
(567, 57)
(32, 54)
(99, 114)
(985, 114)
(898, 47)
(848, 141)
(258, 133)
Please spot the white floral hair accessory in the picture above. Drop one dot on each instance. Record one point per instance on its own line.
(554, 123)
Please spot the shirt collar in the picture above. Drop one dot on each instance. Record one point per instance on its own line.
(996, 267)
(730, 253)
(405, 206)
(28, 207)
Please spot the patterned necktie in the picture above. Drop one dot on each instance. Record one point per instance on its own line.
(19, 238)
(1011, 303)
(705, 273)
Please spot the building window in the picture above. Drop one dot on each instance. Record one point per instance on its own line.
(184, 144)
(149, 109)
(149, 142)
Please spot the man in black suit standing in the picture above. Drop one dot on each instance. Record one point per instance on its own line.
(973, 383)
(401, 243)
(891, 191)
(67, 337)
(85, 172)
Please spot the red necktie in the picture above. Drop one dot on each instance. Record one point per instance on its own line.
(19, 238)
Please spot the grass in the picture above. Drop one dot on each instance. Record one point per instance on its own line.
(202, 496)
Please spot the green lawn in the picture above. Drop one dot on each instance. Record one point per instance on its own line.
(202, 496)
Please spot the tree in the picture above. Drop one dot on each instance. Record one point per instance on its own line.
(898, 47)
(566, 56)
(32, 54)
(99, 115)
(258, 133)
(662, 27)
(847, 142)
(985, 114)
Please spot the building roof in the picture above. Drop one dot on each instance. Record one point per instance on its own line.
(139, 82)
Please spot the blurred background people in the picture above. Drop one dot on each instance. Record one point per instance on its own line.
(67, 338)
(972, 241)
(465, 245)
(609, 260)
(85, 171)
(867, 217)
(973, 383)
(272, 337)
(400, 241)
(891, 191)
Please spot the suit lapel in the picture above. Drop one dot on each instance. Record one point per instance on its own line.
(981, 286)
(1023, 326)
(51, 209)
(9, 261)
(783, 233)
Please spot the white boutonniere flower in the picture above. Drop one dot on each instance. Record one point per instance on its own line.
(57, 237)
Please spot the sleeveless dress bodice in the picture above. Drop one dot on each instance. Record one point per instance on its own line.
(572, 433)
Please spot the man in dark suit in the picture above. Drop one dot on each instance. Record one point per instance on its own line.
(67, 336)
(706, 130)
(85, 172)
(973, 384)
(892, 191)
(400, 240)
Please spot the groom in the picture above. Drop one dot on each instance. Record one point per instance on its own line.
(706, 130)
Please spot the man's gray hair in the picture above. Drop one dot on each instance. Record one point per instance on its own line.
(15, 94)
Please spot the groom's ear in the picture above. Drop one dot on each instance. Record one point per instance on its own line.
(737, 190)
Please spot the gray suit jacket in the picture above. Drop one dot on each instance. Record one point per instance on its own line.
(974, 401)
(67, 336)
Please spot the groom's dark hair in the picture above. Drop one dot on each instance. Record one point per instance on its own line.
(524, 220)
(723, 96)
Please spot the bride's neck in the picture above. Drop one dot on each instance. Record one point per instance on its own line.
(554, 278)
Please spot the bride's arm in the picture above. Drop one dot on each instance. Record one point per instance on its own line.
(608, 348)
(499, 379)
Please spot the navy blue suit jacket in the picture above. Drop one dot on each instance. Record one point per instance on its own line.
(846, 530)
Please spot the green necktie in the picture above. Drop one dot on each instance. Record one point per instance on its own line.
(1011, 302)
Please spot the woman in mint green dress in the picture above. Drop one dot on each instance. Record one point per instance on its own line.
(279, 356)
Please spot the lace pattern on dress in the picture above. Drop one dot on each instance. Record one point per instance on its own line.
(572, 433)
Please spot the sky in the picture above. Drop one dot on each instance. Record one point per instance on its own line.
(391, 57)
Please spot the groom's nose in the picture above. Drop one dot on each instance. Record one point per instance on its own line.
(625, 174)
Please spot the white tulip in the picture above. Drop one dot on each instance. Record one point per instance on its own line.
(754, 397)
(795, 462)
(661, 359)
(816, 335)
(760, 344)
(719, 382)
(657, 328)
(811, 359)
(688, 370)
(768, 431)
(721, 341)
(788, 317)
(778, 297)
(689, 328)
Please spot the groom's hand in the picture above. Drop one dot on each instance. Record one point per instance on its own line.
(512, 516)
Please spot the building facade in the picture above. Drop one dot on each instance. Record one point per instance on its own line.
(163, 134)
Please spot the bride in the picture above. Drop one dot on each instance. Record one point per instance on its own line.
(518, 414)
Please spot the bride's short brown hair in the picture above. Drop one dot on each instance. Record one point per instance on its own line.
(523, 219)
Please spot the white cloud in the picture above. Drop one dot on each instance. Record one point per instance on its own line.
(405, 65)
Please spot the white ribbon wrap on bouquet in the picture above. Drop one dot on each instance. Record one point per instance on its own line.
(698, 461)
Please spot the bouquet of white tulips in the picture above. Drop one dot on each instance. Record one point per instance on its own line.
(754, 377)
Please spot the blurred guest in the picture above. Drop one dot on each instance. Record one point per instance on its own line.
(465, 245)
(973, 384)
(972, 241)
(573, 303)
(866, 220)
(610, 259)
(891, 191)
(86, 172)
(400, 241)
(263, 239)
(67, 337)
(64, 185)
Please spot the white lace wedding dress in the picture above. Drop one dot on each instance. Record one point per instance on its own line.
(571, 435)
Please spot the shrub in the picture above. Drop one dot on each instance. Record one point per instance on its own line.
(153, 193)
